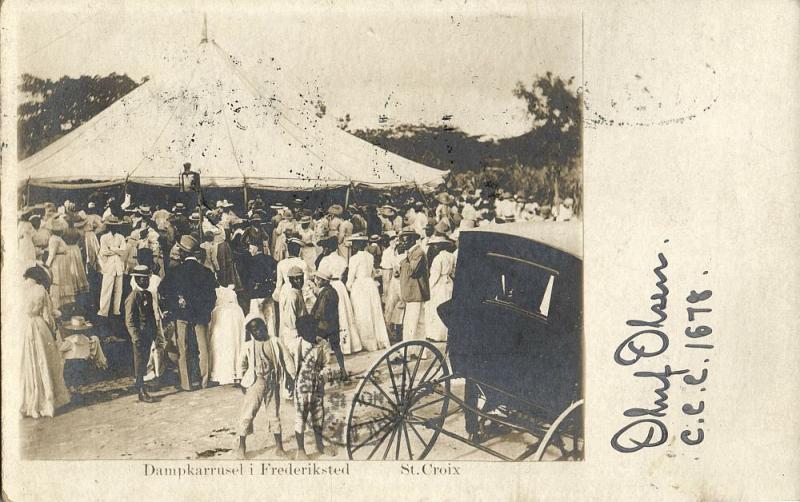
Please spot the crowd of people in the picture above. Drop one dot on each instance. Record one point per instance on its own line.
(258, 296)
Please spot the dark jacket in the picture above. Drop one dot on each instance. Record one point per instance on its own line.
(414, 275)
(260, 276)
(140, 318)
(326, 310)
(194, 283)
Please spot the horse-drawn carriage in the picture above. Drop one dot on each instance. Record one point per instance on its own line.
(513, 359)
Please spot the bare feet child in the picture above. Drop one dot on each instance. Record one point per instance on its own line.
(263, 368)
(312, 357)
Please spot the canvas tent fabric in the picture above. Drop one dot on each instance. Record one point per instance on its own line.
(234, 130)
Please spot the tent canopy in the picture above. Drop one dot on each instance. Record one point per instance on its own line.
(235, 132)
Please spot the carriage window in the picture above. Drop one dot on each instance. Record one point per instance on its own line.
(520, 284)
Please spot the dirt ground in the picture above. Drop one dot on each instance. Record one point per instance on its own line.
(110, 423)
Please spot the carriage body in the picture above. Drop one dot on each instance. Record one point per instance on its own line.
(515, 317)
(512, 361)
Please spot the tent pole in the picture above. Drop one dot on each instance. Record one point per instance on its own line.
(347, 197)
(28, 192)
(245, 195)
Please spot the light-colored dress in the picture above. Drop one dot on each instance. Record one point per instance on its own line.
(64, 285)
(282, 285)
(27, 250)
(226, 335)
(443, 267)
(349, 339)
(366, 302)
(43, 388)
(308, 252)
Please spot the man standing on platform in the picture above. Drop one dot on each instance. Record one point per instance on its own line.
(189, 289)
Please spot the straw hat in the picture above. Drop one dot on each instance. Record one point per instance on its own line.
(295, 272)
(140, 271)
(335, 210)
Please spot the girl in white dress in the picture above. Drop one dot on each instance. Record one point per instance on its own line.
(226, 333)
(335, 265)
(365, 297)
(443, 267)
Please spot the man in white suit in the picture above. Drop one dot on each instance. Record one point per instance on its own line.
(112, 265)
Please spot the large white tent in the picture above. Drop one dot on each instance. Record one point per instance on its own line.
(236, 131)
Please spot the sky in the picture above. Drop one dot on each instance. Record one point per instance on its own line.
(410, 68)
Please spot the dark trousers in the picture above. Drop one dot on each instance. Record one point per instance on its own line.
(184, 331)
(141, 353)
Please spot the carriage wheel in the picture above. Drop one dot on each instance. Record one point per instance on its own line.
(395, 413)
(564, 438)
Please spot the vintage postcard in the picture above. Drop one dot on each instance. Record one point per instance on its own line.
(422, 251)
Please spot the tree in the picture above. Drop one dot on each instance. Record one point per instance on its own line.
(556, 133)
(56, 107)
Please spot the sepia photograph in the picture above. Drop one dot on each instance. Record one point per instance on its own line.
(239, 241)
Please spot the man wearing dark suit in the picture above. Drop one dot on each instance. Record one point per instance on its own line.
(190, 292)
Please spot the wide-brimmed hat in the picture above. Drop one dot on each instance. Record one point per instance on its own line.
(79, 220)
(194, 217)
(77, 323)
(188, 244)
(322, 275)
(443, 197)
(179, 207)
(140, 271)
(466, 224)
(442, 227)
(305, 219)
(357, 238)
(224, 203)
(295, 271)
(335, 210)
(144, 210)
(374, 238)
(387, 210)
(295, 240)
(112, 220)
(408, 232)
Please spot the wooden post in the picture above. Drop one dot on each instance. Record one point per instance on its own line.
(347, 197)
(245, 195)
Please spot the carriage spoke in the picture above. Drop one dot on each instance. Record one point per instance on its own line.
(426, 404)
(370, 422)
(389, 444)
(373, 405)
(414, 429)
(408, 442)
(373, 435)
(399, 436)
(394, 382)
(375, 384)
(405, 367)
(416, 367)
(381, 440)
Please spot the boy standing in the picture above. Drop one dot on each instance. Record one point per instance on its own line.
(263, 367)
(311, 357)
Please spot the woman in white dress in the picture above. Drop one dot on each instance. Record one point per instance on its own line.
(365, 297)
(226, 333)
(335, 265)
(443, 267)
(43, 389)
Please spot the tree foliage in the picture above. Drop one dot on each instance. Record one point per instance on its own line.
(55, 107)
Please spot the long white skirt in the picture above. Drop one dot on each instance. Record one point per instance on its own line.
(434, 327)
(226, 332)
(369, 314)
(349, 339)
